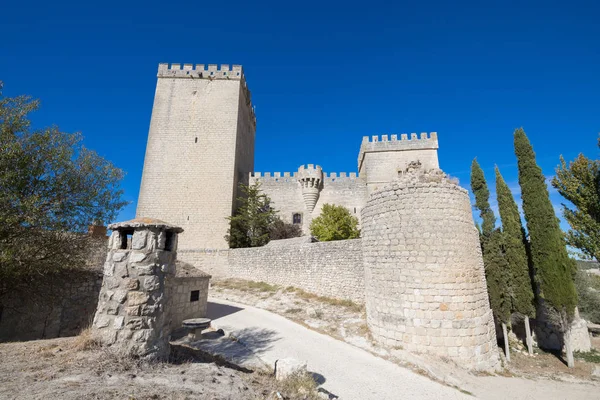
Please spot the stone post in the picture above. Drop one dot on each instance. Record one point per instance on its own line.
(132, 313)
(424, 278)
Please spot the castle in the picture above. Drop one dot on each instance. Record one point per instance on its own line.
(418, 267)
(203, 127)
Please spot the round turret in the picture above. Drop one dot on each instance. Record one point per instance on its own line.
(310, 179)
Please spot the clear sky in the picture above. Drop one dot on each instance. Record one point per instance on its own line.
(322, 75)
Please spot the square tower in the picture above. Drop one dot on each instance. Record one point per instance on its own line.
(380, 161)
(200, 147)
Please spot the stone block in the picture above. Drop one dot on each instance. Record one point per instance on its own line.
(286, 367)
(138, 241)
(137, 298)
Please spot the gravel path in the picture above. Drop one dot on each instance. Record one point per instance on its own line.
(344, 370)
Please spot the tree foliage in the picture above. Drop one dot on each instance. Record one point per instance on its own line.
(554, 269)
(334, 223)
(283, 230)
(579, 183)
(251, 223)
(482, 195)
(515, 251)
(496, 268)
(497, 275)
(51, 189)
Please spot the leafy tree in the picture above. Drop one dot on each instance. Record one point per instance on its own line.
(482, 195)
(554, 269)
(334, 223)
(51, 189)
(579, 183)
(283, 230)
(515, 252)
(250, 225)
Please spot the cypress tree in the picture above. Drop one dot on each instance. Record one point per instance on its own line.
(553, 267)
(515, 250)
(494, 262)
(521, 291)
(482, 203)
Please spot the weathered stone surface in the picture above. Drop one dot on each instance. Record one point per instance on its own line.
(139, 240)
(424, 277)
(285, 367)
(133, 318)
(596, 373)
(331, 269)
(137, 298)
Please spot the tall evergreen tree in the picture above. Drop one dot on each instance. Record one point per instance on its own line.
(494, 262)
(482, 196)
(514, 246)
(520, 288)
(553, 267)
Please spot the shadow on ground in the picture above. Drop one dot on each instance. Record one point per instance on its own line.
(218, 310)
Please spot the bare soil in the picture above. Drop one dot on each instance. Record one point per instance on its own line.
(61, 369)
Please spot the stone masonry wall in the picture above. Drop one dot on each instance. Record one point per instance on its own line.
(200, 143)
(60, 305)
(340, 189)
(182, 306)
(331, 269)
(424, 277)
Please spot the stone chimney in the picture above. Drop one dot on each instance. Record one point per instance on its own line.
(132, 312)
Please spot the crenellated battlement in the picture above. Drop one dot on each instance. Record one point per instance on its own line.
(293, 176)
(394, 143)
(210, 71)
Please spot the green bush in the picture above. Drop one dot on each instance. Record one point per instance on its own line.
(334, 223)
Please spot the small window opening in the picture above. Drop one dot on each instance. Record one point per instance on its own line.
(297, 218)
(194, 295)
(126, 236)
(188, 217)
(196, 140)
(354, 210)
(195, 91)
(169, 241)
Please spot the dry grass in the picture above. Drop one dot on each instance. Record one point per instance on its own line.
(327, 300)
(246, 286)
(85, 340)
(299, 386)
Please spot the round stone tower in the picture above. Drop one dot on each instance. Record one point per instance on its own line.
(133, 313)
(424, 277)
(310, 179)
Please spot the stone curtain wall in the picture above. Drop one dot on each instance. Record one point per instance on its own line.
(212, 261)
(60, 305)
(331, 269)
(424, 277)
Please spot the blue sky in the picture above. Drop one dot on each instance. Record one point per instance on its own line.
(322, 75)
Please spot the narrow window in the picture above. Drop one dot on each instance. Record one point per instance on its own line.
(354, 210)
(126, 236)
(169, 241)
(196, 140)
(297, 218)
(194, 296)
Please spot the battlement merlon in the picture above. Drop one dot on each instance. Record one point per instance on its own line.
(210, 71)
(284, 177)
(393, 143)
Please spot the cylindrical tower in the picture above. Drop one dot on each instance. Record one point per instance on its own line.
(310, 179)
(424, 277)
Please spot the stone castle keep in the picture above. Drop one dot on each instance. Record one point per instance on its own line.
(418, 266)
